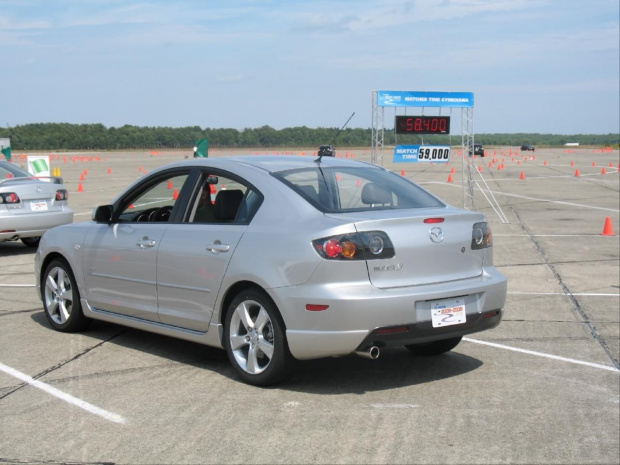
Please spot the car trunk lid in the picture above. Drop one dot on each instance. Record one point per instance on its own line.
(425, 252)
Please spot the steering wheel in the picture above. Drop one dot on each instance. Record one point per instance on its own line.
(161, 215)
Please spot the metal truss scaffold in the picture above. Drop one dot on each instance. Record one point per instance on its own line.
(467, 142)
(378, 131)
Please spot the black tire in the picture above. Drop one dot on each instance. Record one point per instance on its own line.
(434, 348)
(31, 241)
(258, 352)
(61, 298)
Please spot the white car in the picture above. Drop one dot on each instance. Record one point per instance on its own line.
(29, 206)
(295, 258)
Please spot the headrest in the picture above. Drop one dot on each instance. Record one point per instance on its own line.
(374, 194)
(227, 203)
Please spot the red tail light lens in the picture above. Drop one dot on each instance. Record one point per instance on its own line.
(433, 220)
(9, 197)
(62, 194)
(367, 245)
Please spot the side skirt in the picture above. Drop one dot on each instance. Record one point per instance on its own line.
(213, 337)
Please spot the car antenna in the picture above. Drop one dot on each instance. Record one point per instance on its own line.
(328, 150)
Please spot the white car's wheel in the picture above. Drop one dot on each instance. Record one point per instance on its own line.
(61, 298)
(255, 339)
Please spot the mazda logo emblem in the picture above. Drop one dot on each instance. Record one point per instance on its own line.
(436, 234)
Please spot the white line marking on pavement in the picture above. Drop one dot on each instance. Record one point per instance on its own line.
(541, 354)
(63, 395)
(565, 294)
(399, 406)
(459, 185)
(18, 285)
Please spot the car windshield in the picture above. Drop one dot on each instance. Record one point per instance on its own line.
(9, 170)
(350, 189)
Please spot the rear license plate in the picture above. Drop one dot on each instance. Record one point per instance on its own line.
(38, 206)
(448, 312)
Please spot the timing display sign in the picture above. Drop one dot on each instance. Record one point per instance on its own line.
(397, 98)
(422, 124)
(422, 153)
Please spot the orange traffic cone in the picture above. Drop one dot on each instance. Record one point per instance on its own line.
(522, 175)
(175, 194)
(577, 173)
(82, 177)
(109, 170)
(453, 170)
(608, 229)
(450, 178)
(80, 187)
(603, 171)
(572, 163)
(545, 163)
(170, 186)
(359, 183)
(402, 172)
(480, 168)
(593, 163)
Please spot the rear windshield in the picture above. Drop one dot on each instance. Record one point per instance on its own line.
(350, 189)
(9, 170)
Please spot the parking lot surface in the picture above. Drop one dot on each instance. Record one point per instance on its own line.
(543, 387)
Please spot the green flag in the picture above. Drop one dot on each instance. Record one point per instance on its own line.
(7, 153)
(202, 148)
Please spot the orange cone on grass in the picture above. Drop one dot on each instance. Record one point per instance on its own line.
(608, 229)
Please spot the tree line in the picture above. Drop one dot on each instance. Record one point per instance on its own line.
(65, 136)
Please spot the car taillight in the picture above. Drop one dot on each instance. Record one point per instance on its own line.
(62, 194)
(481, 236)
(367, 245)
(9, 197)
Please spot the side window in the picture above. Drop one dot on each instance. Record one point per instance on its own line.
(155, 204)
(222, 200)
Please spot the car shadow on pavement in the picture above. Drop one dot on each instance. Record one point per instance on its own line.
(396, 367)
(13, 249)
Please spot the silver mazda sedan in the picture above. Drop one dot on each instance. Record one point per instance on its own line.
(29, 206)
(277, 259)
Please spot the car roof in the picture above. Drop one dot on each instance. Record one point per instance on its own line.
(271, 163)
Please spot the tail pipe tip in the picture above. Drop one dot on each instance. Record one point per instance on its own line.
(371, 352)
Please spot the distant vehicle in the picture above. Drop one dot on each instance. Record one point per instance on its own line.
(297, 258)
(29, 206)
(479, 150)
(526, 148)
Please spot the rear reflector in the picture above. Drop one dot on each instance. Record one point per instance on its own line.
(398, 329)
(491, 314)
(316, 308)
(434, 220)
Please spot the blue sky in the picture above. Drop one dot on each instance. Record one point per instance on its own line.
(534, 66)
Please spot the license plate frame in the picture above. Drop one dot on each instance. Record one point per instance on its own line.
(448, 312)
(38, 206)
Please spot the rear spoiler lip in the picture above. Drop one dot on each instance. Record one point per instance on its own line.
(55, 179)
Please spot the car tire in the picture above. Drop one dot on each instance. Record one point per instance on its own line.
(31, 241)
(434, 348)
(255, 339)
(61, 298)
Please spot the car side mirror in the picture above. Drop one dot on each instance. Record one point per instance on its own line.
(102, 214)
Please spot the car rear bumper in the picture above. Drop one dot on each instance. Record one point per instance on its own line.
(356, 313)
(32, 225)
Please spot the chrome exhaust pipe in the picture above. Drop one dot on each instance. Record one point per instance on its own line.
(371, 352)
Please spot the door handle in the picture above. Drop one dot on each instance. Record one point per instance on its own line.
(145, 242)
(218, 247)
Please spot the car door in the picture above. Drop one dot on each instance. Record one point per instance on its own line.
(120, 258)
(194, 255)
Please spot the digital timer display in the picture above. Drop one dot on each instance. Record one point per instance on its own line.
(422, 124)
